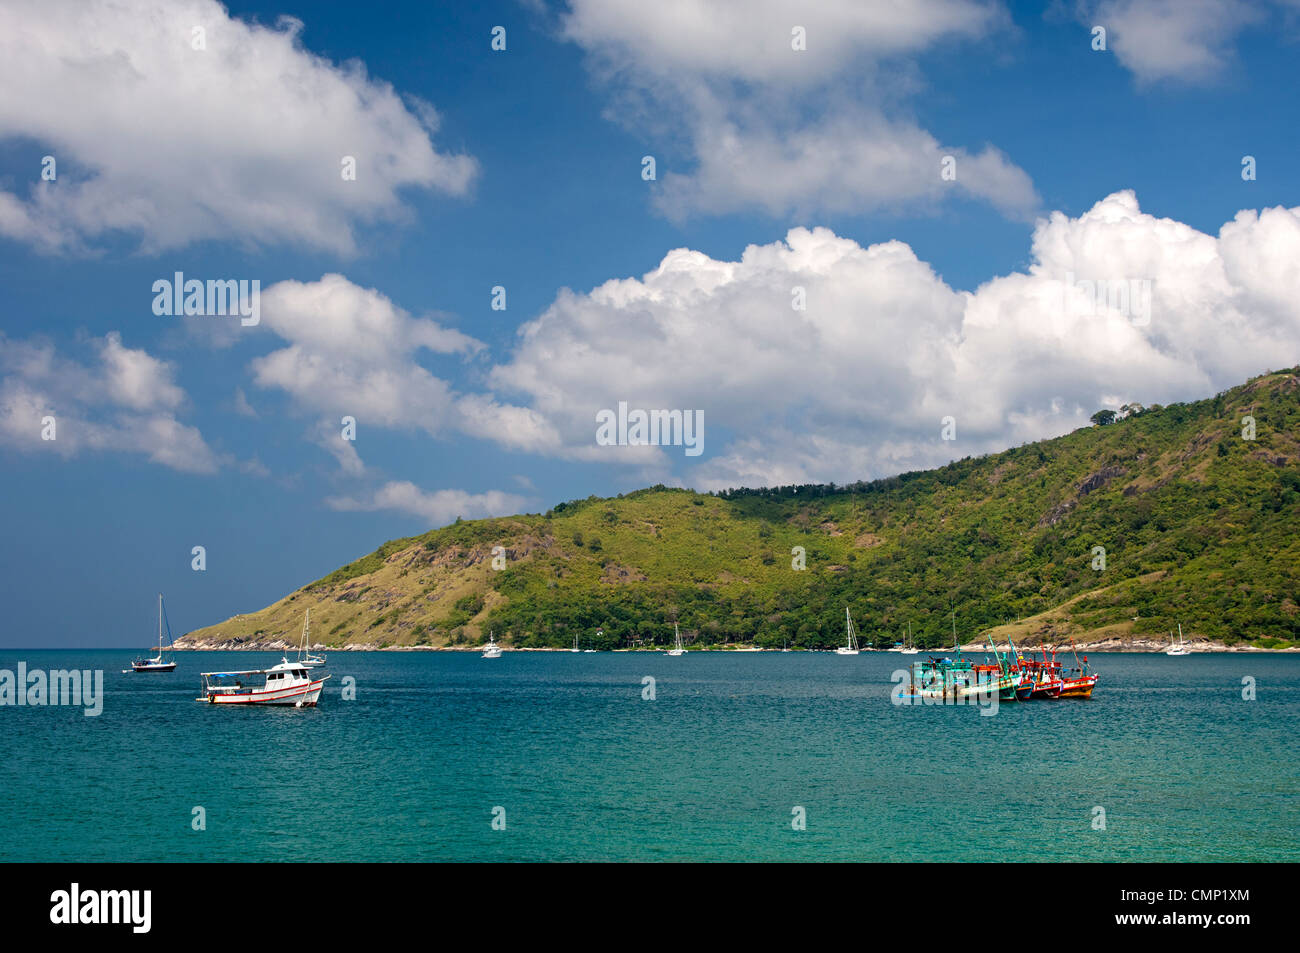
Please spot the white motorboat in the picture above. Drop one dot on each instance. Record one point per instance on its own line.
(305, 657)
(285, 683)
(158, 663)
(492, 649)
(677, 645)
(851, 645)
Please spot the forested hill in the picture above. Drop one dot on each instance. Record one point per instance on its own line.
(1199, 526)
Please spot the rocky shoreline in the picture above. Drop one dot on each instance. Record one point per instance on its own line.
(1194, 646)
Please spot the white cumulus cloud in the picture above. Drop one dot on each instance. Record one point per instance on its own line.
(243, 139)
(1117, 305)
(1182, 40)
(824, 129)
(123, 400)
(435, 507)
(352, 351)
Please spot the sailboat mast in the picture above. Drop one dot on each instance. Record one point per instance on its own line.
(160, 625)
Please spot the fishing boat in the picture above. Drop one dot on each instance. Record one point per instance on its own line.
(1179, 647)
(1079, 681)
(158, 663)
(908, 648)
(305, 658)
(1009, 676)
(286, 683)
(1024, 677)
(491, 650)
(851, 640)
(952, 680)
(1046, 675)
(677, 645)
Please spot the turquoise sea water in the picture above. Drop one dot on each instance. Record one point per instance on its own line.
(711, 769)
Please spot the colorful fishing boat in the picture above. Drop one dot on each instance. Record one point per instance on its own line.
(1010, 676)
(1046, 674)
(1024, 677)
(956, 679)
(952, 680)
(1079, 681)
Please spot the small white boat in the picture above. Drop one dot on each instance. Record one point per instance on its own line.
(305, 658)
(677, 647)
(491, 650)
(1179, 647)
(908, 648)
(851, 645)
(285, 683)
(599, 633)
(158, 663)
(575, 643)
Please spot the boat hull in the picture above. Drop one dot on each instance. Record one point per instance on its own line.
(1078, 687)
(301, 696)
(1050, 689)
(166, 667)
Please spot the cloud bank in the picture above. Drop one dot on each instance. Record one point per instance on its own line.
(241, 139)
(123, 400)
(826, 128)
(857, 384)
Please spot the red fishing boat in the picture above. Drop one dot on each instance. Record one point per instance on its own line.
(1079, 681)
(1046, 673)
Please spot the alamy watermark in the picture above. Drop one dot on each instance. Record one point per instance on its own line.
(179, 296)
(1130, 297)
(37, 687)
(651, 428)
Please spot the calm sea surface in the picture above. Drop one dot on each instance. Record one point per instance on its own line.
(711, 769)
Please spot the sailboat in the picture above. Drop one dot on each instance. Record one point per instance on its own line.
(599, 633)
(491, 650)
(575, 643)
(677, 648)
(851, 645)
(908, 648)
(1179, 647)
(157, 663)
(305, 658)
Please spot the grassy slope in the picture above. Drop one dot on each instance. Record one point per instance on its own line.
(1199, 526)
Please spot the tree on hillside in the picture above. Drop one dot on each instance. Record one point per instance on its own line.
(1103, 417)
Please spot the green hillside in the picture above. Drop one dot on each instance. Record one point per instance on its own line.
(1199, 527)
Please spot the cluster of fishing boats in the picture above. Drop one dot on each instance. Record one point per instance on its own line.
(1010, 676)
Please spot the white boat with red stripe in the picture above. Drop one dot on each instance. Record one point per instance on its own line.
(287, 683)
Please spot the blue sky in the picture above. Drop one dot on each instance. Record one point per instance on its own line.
(928, 297)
